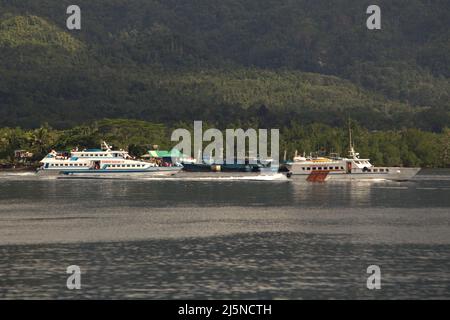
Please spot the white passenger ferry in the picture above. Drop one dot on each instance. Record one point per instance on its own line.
(318, 169)
(100, 163)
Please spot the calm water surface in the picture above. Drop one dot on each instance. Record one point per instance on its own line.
(156, 239)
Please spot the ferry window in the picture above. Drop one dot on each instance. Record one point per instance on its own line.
(336, 168)
(342, 168)
(303, 169)
(314, 168)
(387, 170)
(375, 170)
(309, 168)
(381, 170)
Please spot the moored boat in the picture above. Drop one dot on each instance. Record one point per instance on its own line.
(352, 167)
(335, 168)
(103, 162)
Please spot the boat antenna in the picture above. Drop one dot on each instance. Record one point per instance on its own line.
(350, 134)
(106, 146)
(351, 152)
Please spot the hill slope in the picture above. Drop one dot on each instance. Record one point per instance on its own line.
(226, 61)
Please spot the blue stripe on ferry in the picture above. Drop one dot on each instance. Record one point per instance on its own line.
(111, 171)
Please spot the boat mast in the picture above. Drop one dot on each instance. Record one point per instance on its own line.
(351, 152)
(350, 134)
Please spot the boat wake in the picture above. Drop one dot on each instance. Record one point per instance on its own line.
(271, 177)
(191, 177)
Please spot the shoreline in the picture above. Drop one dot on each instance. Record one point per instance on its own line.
(18, 169)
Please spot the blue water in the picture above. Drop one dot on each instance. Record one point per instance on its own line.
(224, 239)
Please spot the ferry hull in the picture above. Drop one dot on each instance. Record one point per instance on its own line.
(394, 174)
(154, 171)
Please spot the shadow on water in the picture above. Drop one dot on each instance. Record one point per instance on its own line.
(291, 240)
(252, 266)
(428, 190)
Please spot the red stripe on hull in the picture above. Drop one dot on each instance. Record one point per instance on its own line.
(318, 176)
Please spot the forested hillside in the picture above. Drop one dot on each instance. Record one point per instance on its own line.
(268, 63)
(172, 60)
(407, 147)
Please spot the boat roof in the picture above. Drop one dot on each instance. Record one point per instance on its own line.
(165, 154)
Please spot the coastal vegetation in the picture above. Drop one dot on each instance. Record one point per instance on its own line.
(305, 67)
(408, 147)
